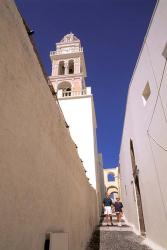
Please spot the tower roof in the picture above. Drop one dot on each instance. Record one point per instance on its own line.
(69, 38)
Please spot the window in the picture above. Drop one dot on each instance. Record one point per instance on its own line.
(146, 93)
(111, 177)
(61, 68)
(71, 67)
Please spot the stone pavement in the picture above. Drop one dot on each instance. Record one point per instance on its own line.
(115, 238)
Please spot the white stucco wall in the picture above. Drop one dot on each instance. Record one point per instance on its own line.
(100, 182)
(101, 176)
(78, 113)
(43, 187)
(146, 125)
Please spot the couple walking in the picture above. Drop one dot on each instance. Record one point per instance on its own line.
(110, 207)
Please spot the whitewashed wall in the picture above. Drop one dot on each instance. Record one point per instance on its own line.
(146, 125)
(79, 114)
(43, 187)
(101, 177)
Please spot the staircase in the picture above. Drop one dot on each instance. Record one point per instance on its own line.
(115, 237)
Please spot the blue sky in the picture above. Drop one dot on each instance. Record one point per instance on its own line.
(111, 32)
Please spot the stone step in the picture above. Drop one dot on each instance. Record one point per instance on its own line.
(115, 238)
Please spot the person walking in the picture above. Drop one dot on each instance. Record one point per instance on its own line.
(107, 206)
(118, 210)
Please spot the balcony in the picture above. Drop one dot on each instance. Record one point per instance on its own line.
(66, 51)
(71, 94)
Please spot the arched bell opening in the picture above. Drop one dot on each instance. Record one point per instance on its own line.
(65, 87)
(71, 67)
(61, 68)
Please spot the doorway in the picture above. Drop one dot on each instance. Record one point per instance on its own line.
(137, 190)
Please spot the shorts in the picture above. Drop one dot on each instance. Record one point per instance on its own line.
(118, 211)
(107, 210)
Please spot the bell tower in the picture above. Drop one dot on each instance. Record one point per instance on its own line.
(76, 101)
(68, 65)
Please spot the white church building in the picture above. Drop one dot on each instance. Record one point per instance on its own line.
(76, 102)
(143, 153)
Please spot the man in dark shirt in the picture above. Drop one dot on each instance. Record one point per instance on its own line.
(107, 204)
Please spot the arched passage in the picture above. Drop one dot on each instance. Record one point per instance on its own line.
(112, 188)
(113, 191)
(113, 195)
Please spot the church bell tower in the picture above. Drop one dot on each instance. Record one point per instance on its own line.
(68, 66)
(76, 101)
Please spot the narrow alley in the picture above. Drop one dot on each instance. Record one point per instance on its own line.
(115, 238)
(83, 130)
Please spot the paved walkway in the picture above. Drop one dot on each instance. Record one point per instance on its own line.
(115, 238)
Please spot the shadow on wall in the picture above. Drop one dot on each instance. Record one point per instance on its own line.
(47, 244)
(94, 243)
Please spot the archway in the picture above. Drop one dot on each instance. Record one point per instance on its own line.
(66, 87)
(113, 191)
(113, 195)
(112, 187)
